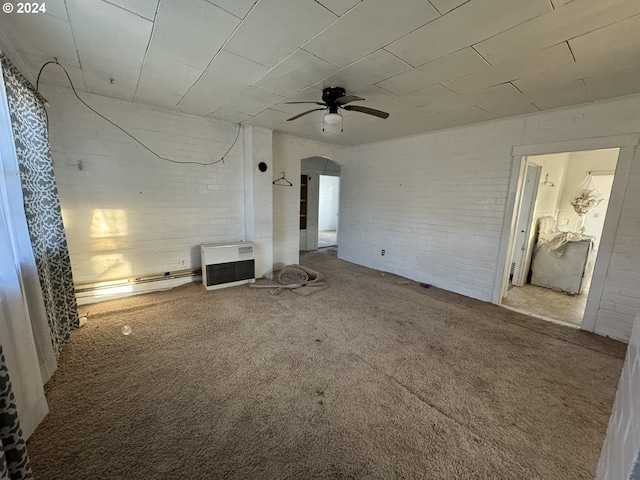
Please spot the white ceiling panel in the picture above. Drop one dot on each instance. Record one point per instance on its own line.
(297, 72)
(144, 8)
(155, 97)
(503, 101)
(239, 8)
(371, 69)
(167, 53)
(620, 36)
(370, 25)
(521, 67)
(166, 74)
(227, 115)
(104, 30)
(268, 119)
(205, 29)
(564, 23)
(262, 37)
(445, 6)
(559, 96)
(225, 77)
(57, 8)
(613, 84)
(460, 63)
(252, 101)
(41, 35)
(339, 7)
(469, 24)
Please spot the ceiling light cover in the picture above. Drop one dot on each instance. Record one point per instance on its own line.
(333, 119)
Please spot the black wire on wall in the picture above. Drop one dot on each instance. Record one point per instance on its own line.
(55, 62)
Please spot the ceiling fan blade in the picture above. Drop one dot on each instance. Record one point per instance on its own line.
(314, 103)
(304, 113)
(347, 99)
(368, 111)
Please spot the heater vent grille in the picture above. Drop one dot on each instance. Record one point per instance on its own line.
(225, 265)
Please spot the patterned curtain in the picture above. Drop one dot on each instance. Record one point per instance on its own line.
(41, 204)
(14, 461)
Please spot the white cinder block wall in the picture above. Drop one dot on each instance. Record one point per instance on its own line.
(436, 203)
(127, 213)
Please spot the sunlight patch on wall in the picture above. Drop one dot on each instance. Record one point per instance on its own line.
(108, 223)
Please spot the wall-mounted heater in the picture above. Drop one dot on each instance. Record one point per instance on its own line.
(227, 264)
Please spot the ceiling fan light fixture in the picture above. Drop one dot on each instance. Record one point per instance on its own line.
(333, 119)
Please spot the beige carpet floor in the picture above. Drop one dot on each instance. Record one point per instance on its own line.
(374, 377)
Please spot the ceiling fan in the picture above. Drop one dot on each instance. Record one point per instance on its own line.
(334, 99)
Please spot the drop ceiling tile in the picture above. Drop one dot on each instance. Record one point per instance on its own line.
(310, 94)
(613, 84)
(616, 62)
(191, 35)
(252, 101)
(465, 115)
(445, 6)
(297, 72)
(225, 77)
(339, 7)
(515, 69)
(557, 96)
(371, 69)
(502, 101)
(268, 119)
(559, 3)
(227, 115)
(469, 24)
(144, 8)
(566, 22)
(457, 64)
(41, 35)
(262, 38)
(167, 75)
(99, 71)
(57, 8)
(368, 27)
(104, 30)
(239, 8)
(620, 36)
(155, 97)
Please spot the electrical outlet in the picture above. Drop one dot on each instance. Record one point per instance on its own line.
(183, 262)
(382, 252)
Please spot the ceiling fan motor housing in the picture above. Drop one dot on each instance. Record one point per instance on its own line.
(330, 95)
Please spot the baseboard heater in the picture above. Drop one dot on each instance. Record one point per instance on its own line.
(227, 264)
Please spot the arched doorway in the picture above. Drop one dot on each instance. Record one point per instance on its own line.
(319, 203)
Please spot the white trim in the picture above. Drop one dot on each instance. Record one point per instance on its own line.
(605, 249)
(627, 144)
(597, 143)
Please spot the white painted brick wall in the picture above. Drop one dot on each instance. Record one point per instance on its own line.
(621, 448)
(436, 202)
(167, 209)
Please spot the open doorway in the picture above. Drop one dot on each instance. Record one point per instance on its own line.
(561, 210)
(320, 187)
(328, 208)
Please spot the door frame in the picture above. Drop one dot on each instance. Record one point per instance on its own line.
(627, 145)
(520, 272)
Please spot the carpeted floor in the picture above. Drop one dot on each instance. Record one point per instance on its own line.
(374, 377)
